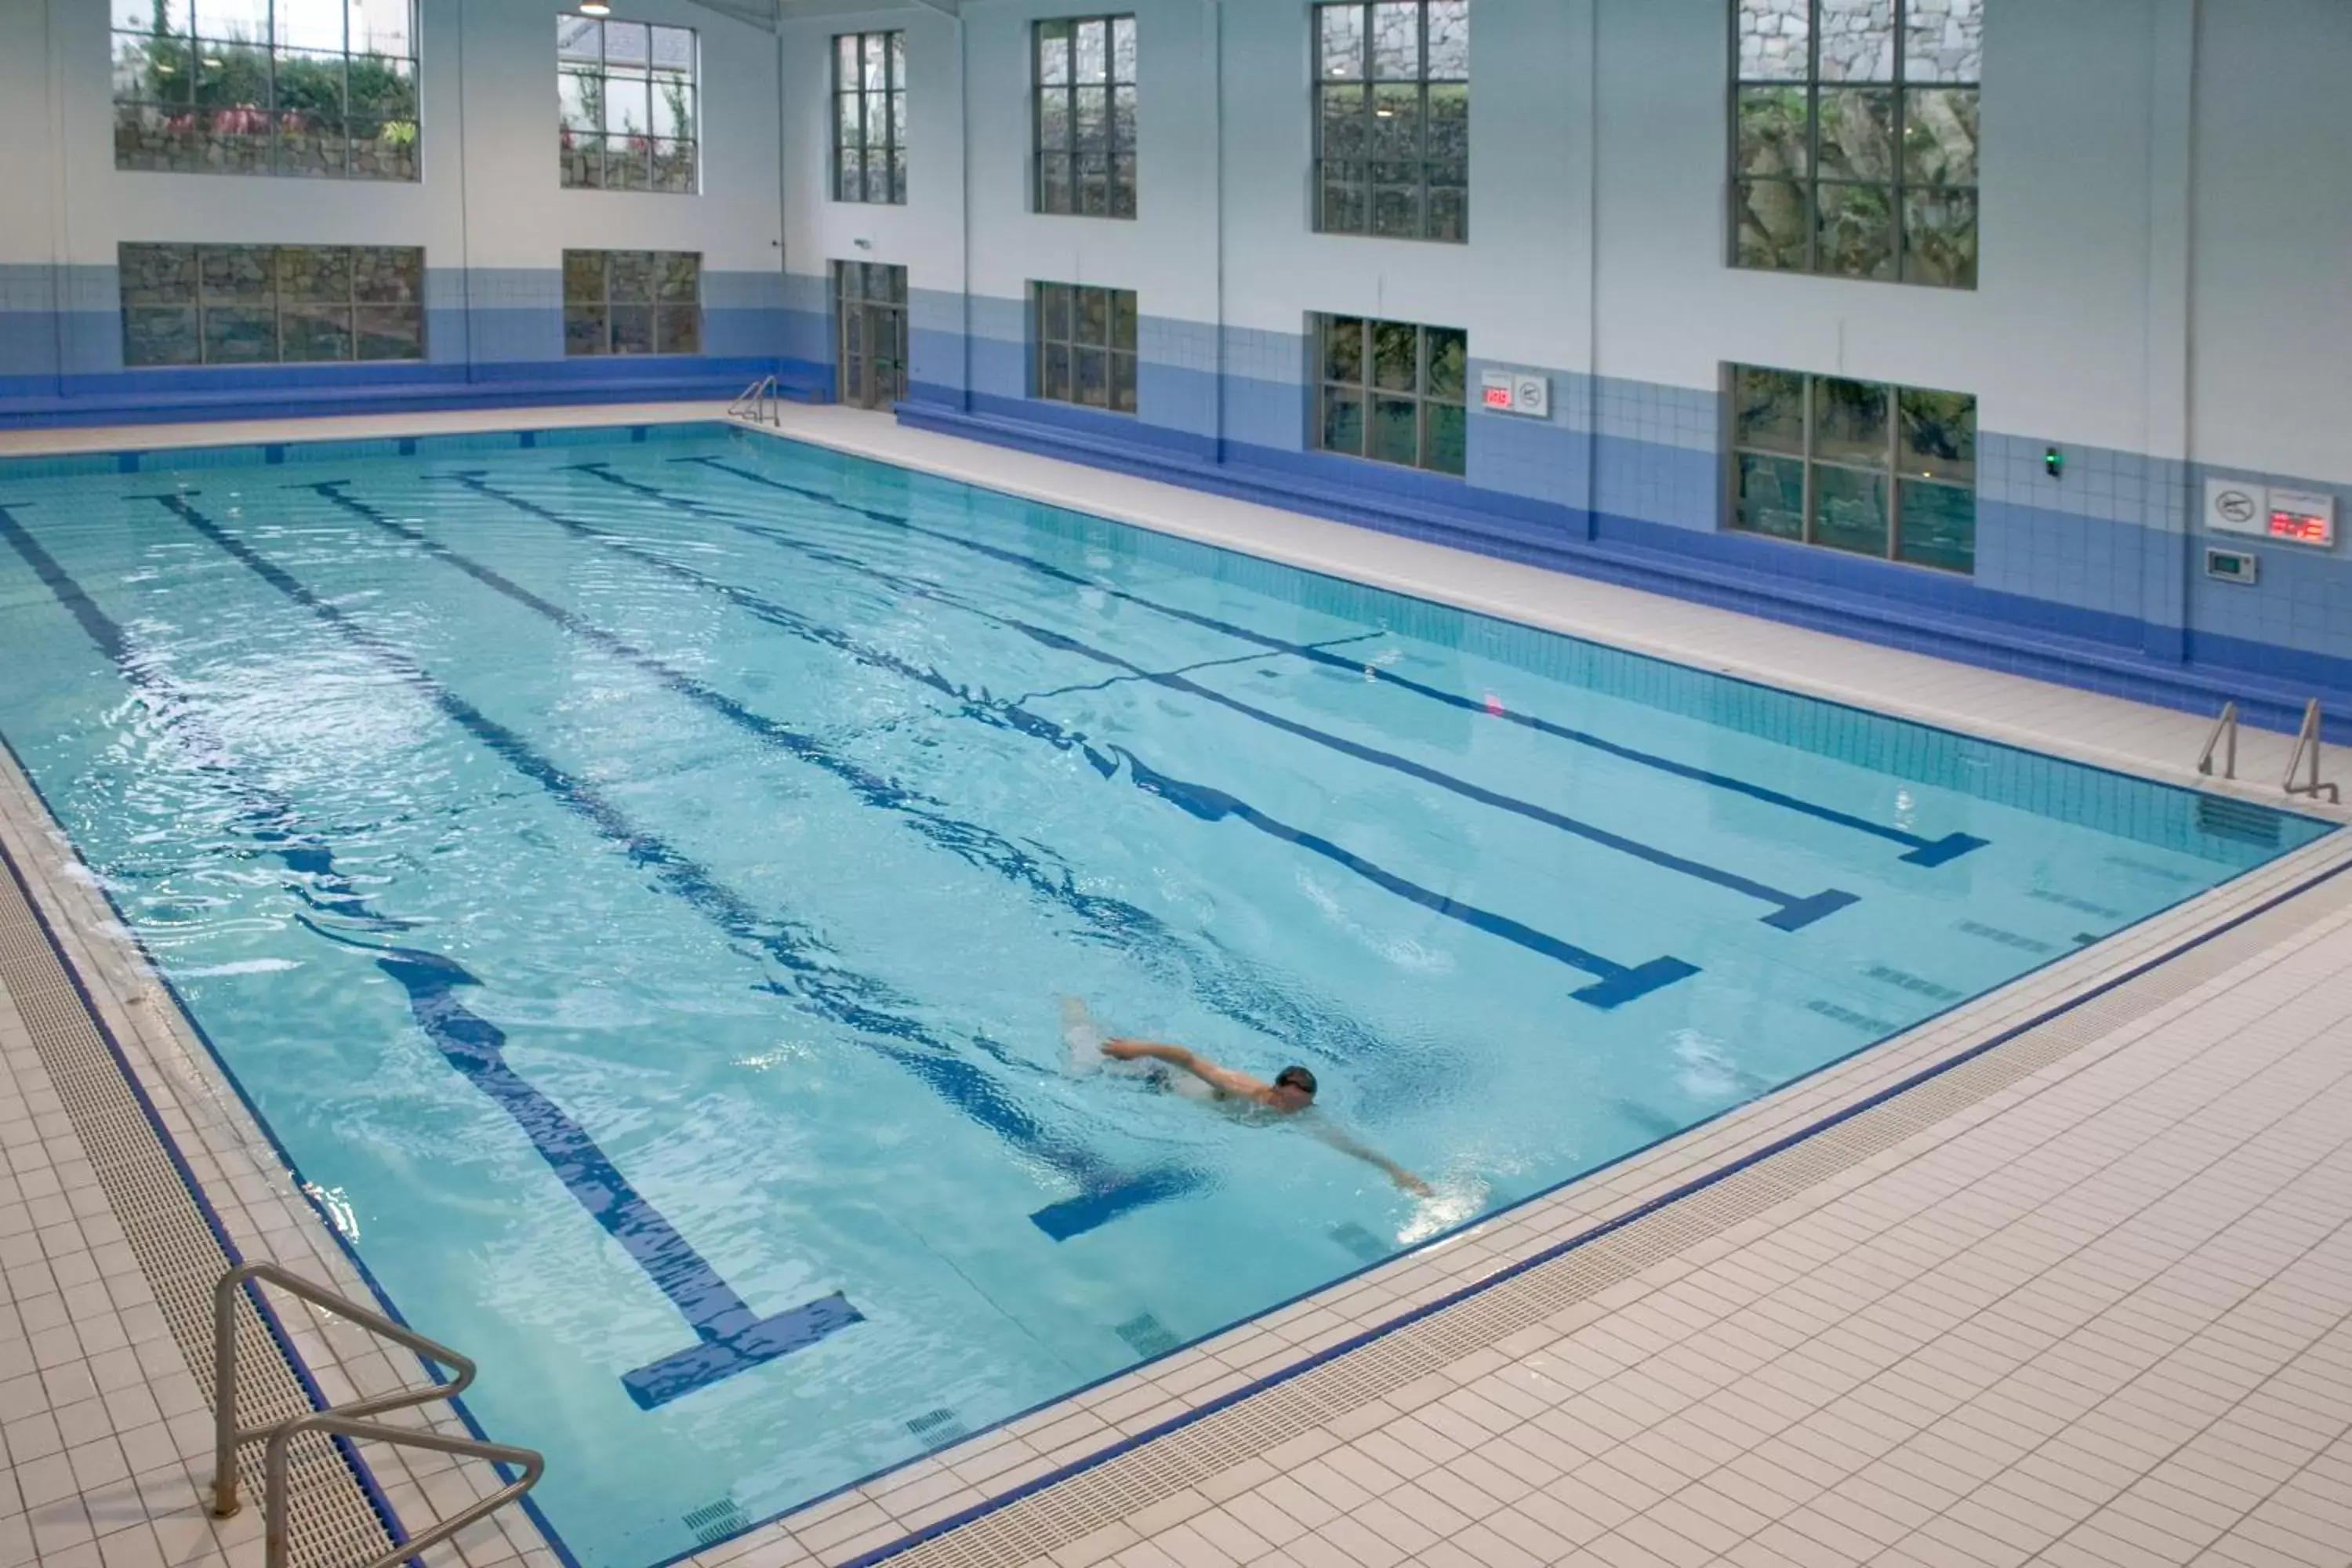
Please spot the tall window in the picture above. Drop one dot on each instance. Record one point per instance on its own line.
(1879, 470)
(1086, 345)
(321, 88)
(1392, 119)
(869, 117)
(625, 92)
(261, 304)
(1855, 138)
(632, 302)
(1392, 391)
(1085, 116)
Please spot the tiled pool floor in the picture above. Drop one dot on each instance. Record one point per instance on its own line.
(2096, 1315)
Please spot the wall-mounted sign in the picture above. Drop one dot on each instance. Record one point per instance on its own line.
(2298, 517)
(1516, 392)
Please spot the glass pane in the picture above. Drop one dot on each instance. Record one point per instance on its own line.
(877, 177)
(581, 158)
(1090, 377)
(1447, 370)
(1345, 115)
(632, 275)
(849, 120)
(1395, 354)
(875, 72)
(160, 336)
(237, 21)
(1122, 117)
(1396, 200)
(1343, 421)
(1939, 135)
(1396, 40)
(1395, 432)
(1448, 217)
(388, 274)
(1850, 422)
(1396, 121)
(1122, 185)
(579, 40)
(1449, 40)
(1768, 410)
(1053, 53)
(315, 146)
(1093, 322)
(1054, 372)
(1857, 231)
(1091, 106)
(628, 106)
(1857, 134)
(314, 274)
(1053, 127)
(1342, 208)
(627, 45)
(1093, 186)
(897, 61)
(1053, 311)
(236, 274)
(1943, 40)
(1939, 436)
(1122, 320)
(241, 335)
(1771, 496)
(1444, 437)
(673, 109)
(1939, 237)
(1772, 221)
(1054, 189)
(586, 330)
(311, 83)
(1122, 382)
(674, 50)
(1939, 526)
(308, 24)
(382, 89)
(584, 276)
(677, 329)
(316, 332)
(678, 275)
(632, 328)
(1857, 40)
(897, 120)
(158, 274)
(877, 119)
(628, 164)
(1850, 509)
(673, 167)
(1343, 350)
(381, 27)
(1775, 40)
(1449, 127)
(162, 16)
(1775, 131)
(1090, 52)
(1122, 49)
(1341, 56)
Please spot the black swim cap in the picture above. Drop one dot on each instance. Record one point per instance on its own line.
(1295, 1077)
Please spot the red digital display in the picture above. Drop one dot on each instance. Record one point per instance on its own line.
(1497, 397)
(2304, 528)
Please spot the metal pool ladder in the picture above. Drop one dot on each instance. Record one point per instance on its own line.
(342, 1420)
(2306, 760)
(760, 402)
(2225, 732)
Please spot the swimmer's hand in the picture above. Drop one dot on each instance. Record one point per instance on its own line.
(1412, 1183)
(1126, 1050)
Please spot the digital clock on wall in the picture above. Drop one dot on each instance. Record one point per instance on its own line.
(2296, 517)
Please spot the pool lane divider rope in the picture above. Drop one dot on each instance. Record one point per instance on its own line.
(1922, 851)
(732, 1336)
(1613, 983)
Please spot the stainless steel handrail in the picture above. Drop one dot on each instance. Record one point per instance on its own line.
(2225, 728)
(760, 403)
(2306, 760)
(342, 1419)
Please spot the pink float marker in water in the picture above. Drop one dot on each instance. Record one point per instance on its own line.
(1494, 705)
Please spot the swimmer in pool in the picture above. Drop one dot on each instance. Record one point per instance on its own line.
(1292, 1092)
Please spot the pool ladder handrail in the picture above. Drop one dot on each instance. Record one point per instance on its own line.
(342, 1420)
(2225, 733)
(760, 402)
(2306, 760)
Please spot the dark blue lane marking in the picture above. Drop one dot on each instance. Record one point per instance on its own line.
(1792, 912)
(861, 1003)
(1617, 984)
(733, 1337)
(1232, 986)
(1923, 851)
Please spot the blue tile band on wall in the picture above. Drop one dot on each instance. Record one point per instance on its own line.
(1615, 983)
(733, 1337)
(872, 1017)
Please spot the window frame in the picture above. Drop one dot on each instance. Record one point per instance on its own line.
(606, 303)
(647, 177)
(1366, 191)
(1121, 366)
(1899, 481)
(398, 135)
(1115, 152)
(893, 93)
(1423, 396)
(281, 307)
(1899, 187)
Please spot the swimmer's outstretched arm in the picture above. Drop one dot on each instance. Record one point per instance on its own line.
(1369, 1156)
(1200, 1067)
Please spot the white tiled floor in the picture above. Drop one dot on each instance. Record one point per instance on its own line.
(2099, 1318)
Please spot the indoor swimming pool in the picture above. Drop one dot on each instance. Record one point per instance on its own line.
(648, 881)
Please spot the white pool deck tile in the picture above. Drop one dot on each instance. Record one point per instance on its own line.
(2101, 1317)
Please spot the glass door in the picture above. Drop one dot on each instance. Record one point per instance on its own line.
(869, 306)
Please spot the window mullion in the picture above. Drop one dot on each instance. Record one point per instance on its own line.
(1895, 434)
(1807, 499)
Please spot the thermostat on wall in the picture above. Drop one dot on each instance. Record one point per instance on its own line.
(2239, 566)
(1516, 392)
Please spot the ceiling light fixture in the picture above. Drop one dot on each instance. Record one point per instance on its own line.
(595, 8)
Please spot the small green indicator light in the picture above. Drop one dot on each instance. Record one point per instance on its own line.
(2053, 463)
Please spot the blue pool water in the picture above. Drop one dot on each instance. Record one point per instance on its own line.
(638, 883)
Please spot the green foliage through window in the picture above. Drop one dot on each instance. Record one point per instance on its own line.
(1393, 391)
(869, 117)
(267, 304)
(626, 105)
(1083, 110)
(1086, 345)
(1392, 119)
(632, 302)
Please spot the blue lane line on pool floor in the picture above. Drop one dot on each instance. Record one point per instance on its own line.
(1923, 851)
(1614, 985)
(863, 1006)
(733, 1337)
(1790, 912)
(1229, 985)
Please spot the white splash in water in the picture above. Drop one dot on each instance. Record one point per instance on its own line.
(239, 966)
(1402, 952)
(1709, 1070)
(1455, 1201)
(332, 1203)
